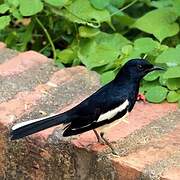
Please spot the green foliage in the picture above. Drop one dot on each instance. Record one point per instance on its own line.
(156, 94)
(173, 96)
(171, 56)
(102, 35)
(101, 50)
(99, 4)
(161, 23)
(29, 8)
(4, 21)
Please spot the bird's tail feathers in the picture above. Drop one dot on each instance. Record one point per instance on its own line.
(26, 128)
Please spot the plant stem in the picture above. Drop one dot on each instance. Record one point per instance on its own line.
(125, 7)
(48, 37)
(47, 45)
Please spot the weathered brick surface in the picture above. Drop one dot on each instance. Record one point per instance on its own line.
(32, 87)
(22, 62)
(172, 173)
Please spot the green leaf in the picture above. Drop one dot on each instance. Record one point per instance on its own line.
(57, 3)
(85, 31)
(145, 45)
(171, 56)
(162, 80)
(173, 96)
(176, 5)
(159, 22)
(99, 4)
(87, 14)
(146, 85)
(161, 3)
(16, 13)
(58, 63)
(127, 49)
(156, 94)
(172, 72)
(107, 77)
(152, 75)
(3, 8)
(101, 49)
(27, 36)
(118, 3)
(13, 3)
(66, 56)
(4, 21)
(173, 84)
(30, 7)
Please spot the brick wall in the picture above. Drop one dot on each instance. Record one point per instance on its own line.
(32, 87)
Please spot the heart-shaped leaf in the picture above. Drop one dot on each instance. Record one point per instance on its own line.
(156, 94)
(173, 96)
(29, 8)
(145, 45)
(152, 75)
(3, 8)
(172, 72)
(171, 57)
(173, 84)
(107, 77)
(159, 22)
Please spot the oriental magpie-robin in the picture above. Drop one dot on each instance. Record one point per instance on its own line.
(98, 112)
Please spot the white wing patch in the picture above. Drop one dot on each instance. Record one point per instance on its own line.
(21, 124)
(110, 114)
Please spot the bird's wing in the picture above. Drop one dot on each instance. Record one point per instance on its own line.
(101, 108)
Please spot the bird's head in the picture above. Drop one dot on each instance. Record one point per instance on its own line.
(138, 68)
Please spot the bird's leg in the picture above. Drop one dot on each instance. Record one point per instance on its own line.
(98, 137)
(108, 144)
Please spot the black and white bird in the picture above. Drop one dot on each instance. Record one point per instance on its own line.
(100, 111)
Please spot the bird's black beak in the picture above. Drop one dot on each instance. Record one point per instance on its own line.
(154, 68)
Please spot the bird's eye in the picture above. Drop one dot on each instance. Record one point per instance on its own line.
(140, 67)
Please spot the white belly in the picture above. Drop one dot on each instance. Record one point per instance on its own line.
(107, 127)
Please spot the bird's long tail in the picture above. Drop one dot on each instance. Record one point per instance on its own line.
(26, 128)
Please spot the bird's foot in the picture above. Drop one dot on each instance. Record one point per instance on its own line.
(102, 140)
(114, 152)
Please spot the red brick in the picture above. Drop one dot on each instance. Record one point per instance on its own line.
(25, 101)
(22, 103)
(172, 173)
(2, 45)
(22, 62)
(157, 150)
(125, 171)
